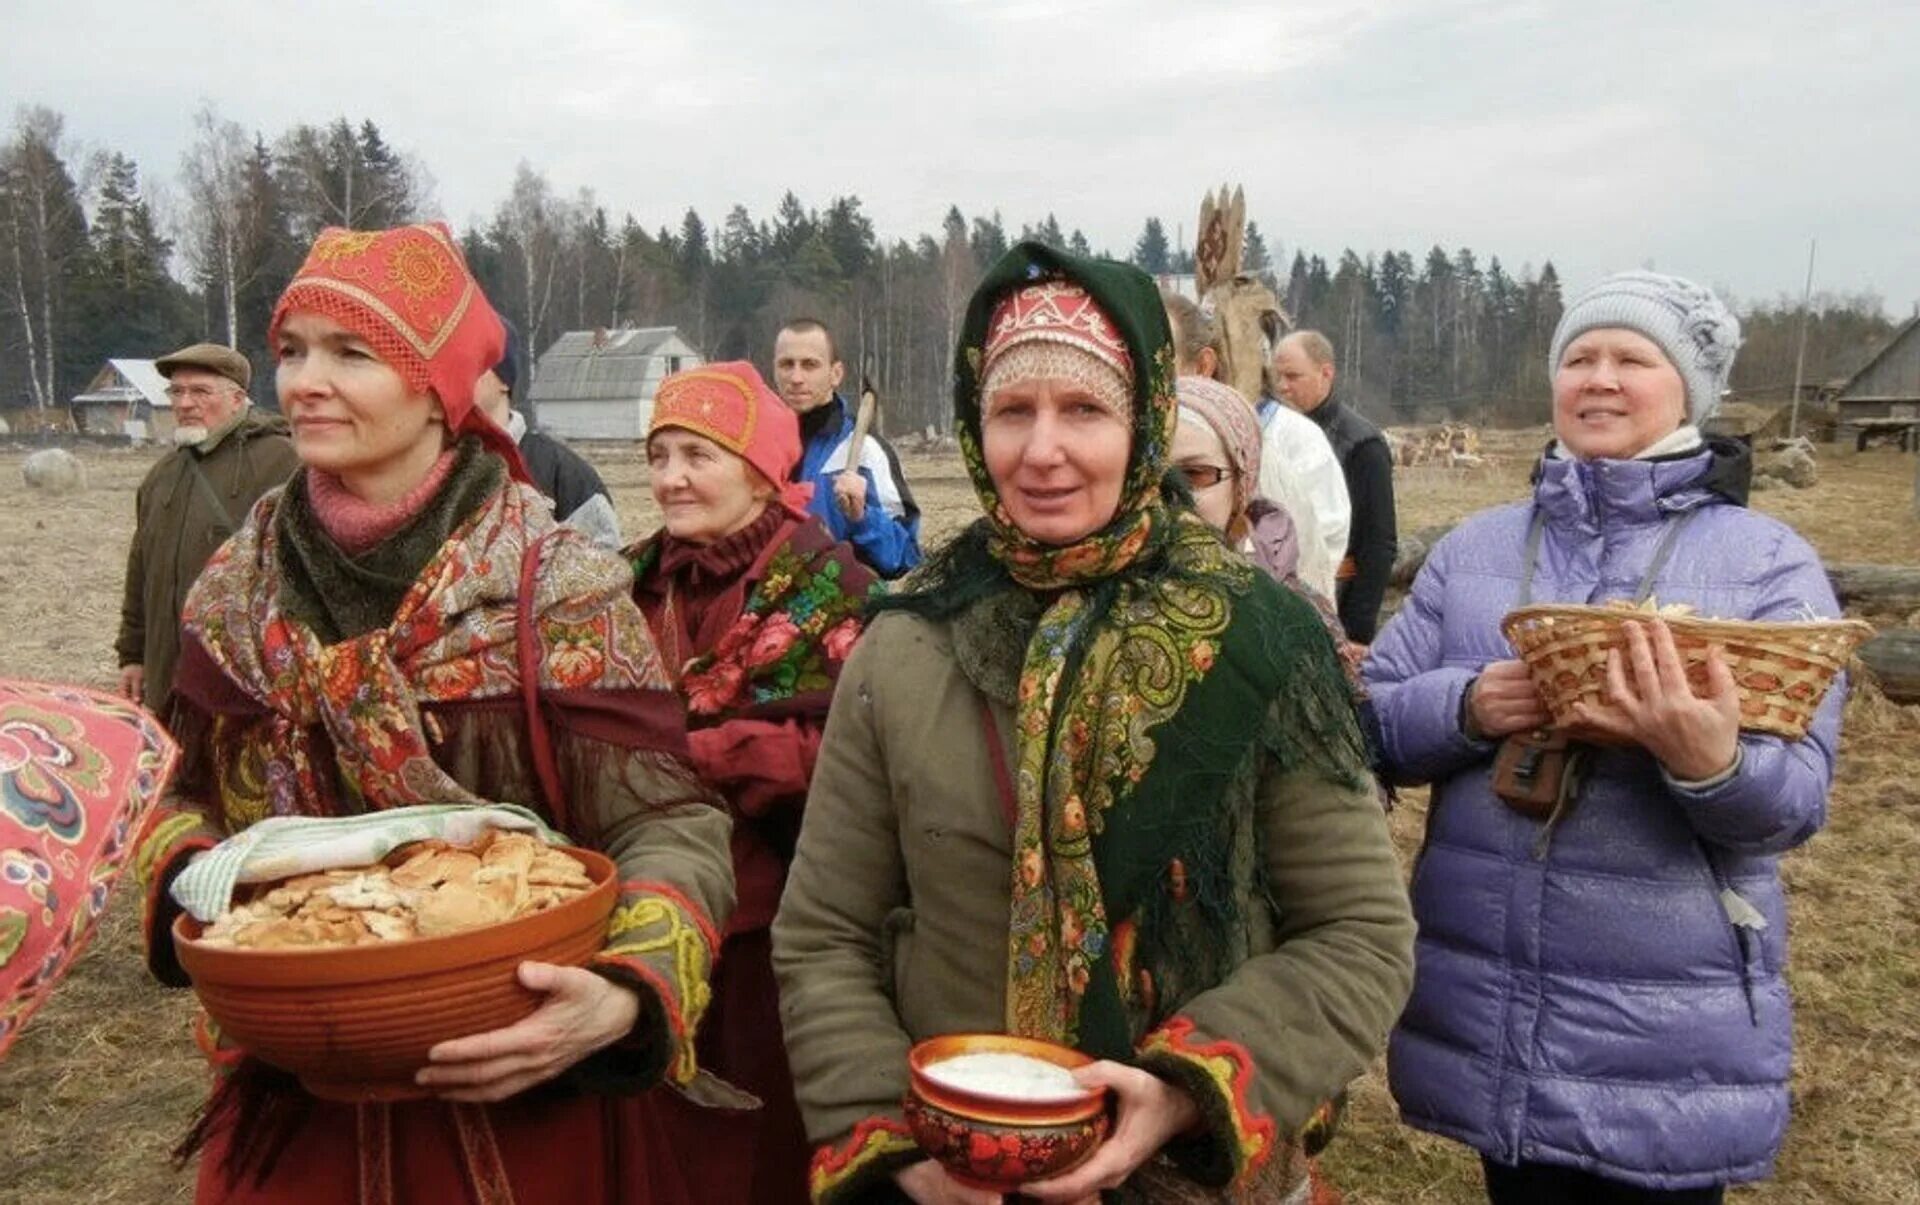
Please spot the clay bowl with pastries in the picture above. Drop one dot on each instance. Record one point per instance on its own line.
(355, 1022)
(998, 1111)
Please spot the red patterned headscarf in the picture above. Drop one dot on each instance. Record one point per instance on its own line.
(408, 293)
(730, 405)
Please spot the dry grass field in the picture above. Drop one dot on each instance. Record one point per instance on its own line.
(105, 1079)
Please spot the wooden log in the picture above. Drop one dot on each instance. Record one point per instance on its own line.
(1880, 587)
(1893, 657)
(1875, 587)
(1414, 548)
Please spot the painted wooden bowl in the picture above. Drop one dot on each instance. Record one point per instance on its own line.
(355, 1022)
(997, 1141)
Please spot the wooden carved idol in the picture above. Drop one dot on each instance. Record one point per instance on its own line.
(1246, 314)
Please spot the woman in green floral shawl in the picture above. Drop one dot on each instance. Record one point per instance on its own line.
(1091, 778)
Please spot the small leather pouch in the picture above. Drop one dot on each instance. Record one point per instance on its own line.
(1534, 771)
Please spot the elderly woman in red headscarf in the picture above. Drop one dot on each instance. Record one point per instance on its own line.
(755, 608)
(362, 643)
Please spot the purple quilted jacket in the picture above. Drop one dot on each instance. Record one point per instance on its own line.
(1592, 1004)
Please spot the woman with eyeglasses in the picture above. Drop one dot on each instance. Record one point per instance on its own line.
(1216, 451)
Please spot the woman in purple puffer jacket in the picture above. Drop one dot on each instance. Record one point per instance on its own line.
(1600, 1008)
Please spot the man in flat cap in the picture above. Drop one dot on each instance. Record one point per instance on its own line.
(224, 457)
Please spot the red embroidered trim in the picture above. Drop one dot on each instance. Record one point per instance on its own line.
(1230, 1067)
(680, 900)
(486, 1170)
(373, 1128)
(871, 1138)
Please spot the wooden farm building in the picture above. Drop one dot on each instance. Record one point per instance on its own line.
(126, 397)
(600, 384)
(1888, 385)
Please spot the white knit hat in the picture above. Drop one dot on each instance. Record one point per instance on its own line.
(1698, 333)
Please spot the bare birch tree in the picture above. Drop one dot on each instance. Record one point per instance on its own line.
(43, 239)
(218, 222)
(528, 223)
(335, 175)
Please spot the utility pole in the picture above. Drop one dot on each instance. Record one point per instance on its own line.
(1800, 361)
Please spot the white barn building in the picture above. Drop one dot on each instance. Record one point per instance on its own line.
(600, 384)
(126, 397)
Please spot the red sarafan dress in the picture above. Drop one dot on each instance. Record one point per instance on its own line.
(299, 695)
(757, 625)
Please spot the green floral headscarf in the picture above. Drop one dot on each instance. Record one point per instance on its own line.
(1132, 303)
(1134, 618)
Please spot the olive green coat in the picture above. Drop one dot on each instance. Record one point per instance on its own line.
(178, 527)
(894, 925)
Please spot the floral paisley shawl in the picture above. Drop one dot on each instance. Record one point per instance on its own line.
(800, 621)
(351, 713)
(453, 638)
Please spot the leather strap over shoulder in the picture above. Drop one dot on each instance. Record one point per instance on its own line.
(527, 642)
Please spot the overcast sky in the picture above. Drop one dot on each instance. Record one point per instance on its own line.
(1708, 138)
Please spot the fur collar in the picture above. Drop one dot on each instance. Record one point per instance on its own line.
(990, 641)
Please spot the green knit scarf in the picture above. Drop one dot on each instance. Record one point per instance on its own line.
(341, 596)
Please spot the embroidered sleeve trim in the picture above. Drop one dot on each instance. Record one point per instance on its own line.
(874, 1146)
(661, 938)
(223, 1058)
(166, 829)
(694, 912)
(1228, 1068)
(170, 837)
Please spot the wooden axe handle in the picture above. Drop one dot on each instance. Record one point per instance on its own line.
(857, 442)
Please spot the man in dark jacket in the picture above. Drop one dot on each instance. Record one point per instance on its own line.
(578, 494)
(225, 456)
(877, 516)
(1303, 372)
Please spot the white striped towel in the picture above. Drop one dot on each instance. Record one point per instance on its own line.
(280, 847)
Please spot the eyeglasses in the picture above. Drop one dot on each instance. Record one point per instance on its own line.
(192, 393)
(1205, 476)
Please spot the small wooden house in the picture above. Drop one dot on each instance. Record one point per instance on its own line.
(126, 397)
(1888, 384)
(600, 384)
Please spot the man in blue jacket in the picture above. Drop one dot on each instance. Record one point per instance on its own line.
(880, 520)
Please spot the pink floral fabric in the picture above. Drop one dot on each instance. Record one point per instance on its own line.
(79, 771)
(791, 638)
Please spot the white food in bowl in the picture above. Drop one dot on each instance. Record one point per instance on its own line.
(1006, 1076)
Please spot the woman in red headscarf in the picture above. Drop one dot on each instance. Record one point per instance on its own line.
(362, 644)
(755, 608)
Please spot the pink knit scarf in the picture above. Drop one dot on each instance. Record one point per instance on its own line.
(357, 525)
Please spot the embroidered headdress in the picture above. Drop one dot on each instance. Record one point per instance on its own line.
(1055, 329)
(730, 405)
(408, 293)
